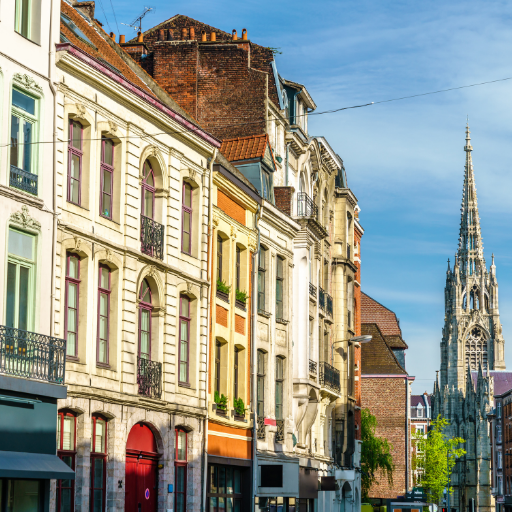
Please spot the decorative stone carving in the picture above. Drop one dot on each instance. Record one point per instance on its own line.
(215, 220)
(152, 272)
(192, 174)
(78, 243)
(153, 151)
(112, 126)
(24, 220)
(27, 82)
(80, 111)
(252, 245)
(109, 256)
(233, 232)
(189, 287)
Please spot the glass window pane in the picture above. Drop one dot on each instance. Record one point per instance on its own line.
(237, 481)
(144, 343)
(23, 298)
(144, 320)
(72, 289)
(229, 504)
(238, 506)
(180, 479)
(68, 437)
(184, 353)
(184, 330)
(20, 244)
(106, 209)
(75, 167)
(98, 501)
(222, 480)
(183, 372)
(186, 221)
(65, 500)
(148, 203)
(213, 479)
(182, 445)
(23, 495)
(76, 140)
(185, 307)
(213, 504)
(102, 351)
(229, 480)
(150, 180)
(23, 101)
(104, 279)
(71, 344)
(99, 436)
(222, 504)
(25, 13)
(11, 295)
(27, 146)
(107, 152)
(187, 199)
(186, 242)
(15, 130)
(73, 267)
(107, 182)
(104, 307)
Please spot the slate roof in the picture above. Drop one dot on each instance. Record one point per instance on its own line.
(244, 148)
(502, 381)
(377, 357)
(374, 312)
(420, 399)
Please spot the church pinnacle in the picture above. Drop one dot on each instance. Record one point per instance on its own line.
(470, 253)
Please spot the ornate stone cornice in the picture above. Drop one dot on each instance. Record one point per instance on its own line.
(27, 82)
(24, 220)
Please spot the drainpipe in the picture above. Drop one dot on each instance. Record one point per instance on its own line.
(254, 305)
(287, 160)
(51, 62)
(209, 316)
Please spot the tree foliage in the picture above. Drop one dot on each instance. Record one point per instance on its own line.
(375, 454)
(436, 454)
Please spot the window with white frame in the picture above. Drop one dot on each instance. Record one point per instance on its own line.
(27, 19)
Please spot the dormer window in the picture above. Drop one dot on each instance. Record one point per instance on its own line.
(420, 411)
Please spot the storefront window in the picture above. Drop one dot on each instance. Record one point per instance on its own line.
(224, 488)
(21, 495)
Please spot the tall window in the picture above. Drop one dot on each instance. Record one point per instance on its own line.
(184, 339)
(326, 276)
(279, 387)
(66, 450)
(146, 308)
(238, 252)
(107, 177)
(75, 155)
(20, 277)
(98, 463)
(260, 399)
(225, 488)
(23, 135)
(186, 216)
(22, 22)
(235, 375)
(217, 366)
(148, 190)
(180, 464)
(72, 294)
(219, 258)
(279, 287)
(262, 268)
(103, 313)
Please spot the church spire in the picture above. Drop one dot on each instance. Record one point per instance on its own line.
(470, 253)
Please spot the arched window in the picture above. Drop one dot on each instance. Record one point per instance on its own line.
(148, 190)
(146, 308)
(180, 464)
(107, 177)
(75, 157)
(98, 463)
(66, 451)
(184, 339)
(186, 219)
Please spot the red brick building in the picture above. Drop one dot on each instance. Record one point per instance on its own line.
(385, 391)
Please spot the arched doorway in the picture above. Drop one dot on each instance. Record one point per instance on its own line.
(141, 485)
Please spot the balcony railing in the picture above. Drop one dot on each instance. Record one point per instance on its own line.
(151, 237)
(23, 180)
(312, 367)
(260, 428)
(312, 290)
(329, 377)
(280, 431)
(31, 355)
(329, 304)
(305, 206)
(321, 298)
(149, 378)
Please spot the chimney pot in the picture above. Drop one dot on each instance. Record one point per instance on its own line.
(184, 33)
(244, 34)
(203, 35)
(140, 37)
(234, 36)
(192, 33)
(122, 39)
(161, 34)
(213, 36)
(112, 36)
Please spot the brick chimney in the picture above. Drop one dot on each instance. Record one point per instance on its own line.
(86, 7)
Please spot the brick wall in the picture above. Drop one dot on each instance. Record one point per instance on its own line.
(239, 324)
(284, 199)
(221, 315)
(386, 398)
(230, 207)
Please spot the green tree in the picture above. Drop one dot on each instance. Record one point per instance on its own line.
(375, 454)
(436, 454)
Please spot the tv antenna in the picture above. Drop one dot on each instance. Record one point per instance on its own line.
(136, 24)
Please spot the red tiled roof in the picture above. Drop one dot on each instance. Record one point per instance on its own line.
(103, 51)
(374, 312)
(244, 148)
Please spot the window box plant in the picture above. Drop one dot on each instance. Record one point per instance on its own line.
(241, 299)
(223, 290)
(239, 407)
(221, 402)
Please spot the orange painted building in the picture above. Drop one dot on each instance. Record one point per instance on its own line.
(230, 428)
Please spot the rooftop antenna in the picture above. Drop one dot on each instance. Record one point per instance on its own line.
(136, 24)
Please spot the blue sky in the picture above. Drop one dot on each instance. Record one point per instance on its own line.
(405, 159)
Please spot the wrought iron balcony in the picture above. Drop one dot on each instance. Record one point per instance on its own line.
(312, 367)
(23, 180)
(31, 355)
(280, 431)
(321, 299)
(260, 428)
(312, 290)
(329, 304)
(151, 237)
(149, 378)
(330, 377)
(306, 206)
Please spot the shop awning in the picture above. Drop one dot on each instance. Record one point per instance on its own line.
(33, 465)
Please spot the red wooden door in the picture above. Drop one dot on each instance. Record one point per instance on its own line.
(141, 482)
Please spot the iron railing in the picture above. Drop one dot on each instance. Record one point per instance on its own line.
(321, 298)
(151, 237)
(329, 377)
(312, 367)
(312, 290)
(23, 180)
(329, 304)
(31, 355)
(149, 378)
(306, 206)
(280, 431)
(260, 428)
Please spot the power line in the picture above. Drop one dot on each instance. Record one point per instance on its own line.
(115, 17)
(105, 14)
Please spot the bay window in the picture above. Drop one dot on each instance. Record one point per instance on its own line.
(71, 305)
(104, 292)
(98, 463)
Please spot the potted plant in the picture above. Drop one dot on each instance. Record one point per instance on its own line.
(239, 407)
(241, 299)
(221, 401)
(223, 290)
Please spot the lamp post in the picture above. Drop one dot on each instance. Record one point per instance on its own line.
(366, 338)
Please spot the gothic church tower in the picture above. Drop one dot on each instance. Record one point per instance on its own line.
(472, 345)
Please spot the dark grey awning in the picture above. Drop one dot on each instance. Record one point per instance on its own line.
(33, 465)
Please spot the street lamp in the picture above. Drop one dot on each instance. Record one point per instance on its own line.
(357, 340)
